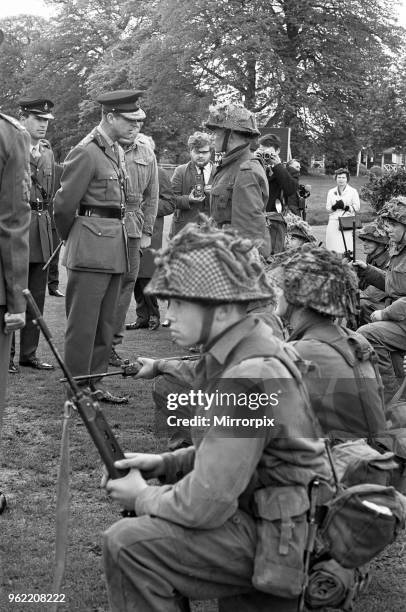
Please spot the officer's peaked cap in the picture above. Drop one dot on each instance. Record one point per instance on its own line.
(124, 102)
(41, 107)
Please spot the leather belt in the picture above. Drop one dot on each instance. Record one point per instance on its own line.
(101, 212)
(39, 206)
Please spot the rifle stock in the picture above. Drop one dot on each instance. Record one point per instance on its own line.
(88, 409)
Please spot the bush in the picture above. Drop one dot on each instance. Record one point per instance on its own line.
(380, 189)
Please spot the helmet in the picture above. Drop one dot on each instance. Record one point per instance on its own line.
(395, 210)
(374, 233)
(199, 139)
(315, 278)
(232, 116)
(298, 227)
(205, 264)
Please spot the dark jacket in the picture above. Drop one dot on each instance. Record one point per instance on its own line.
(14, 213)
(166, 206)
(239, 194)
(279, 179)
(183, 181)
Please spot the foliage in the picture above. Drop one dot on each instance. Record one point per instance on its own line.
(379, 190)
(306, 65)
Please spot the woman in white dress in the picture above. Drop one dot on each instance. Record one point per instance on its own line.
(343, 200)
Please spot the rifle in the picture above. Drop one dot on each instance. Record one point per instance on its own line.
(130, 369)
(88, 409)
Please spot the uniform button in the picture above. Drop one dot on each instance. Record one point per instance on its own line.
(39, 214)
(236, 519)
(99, 233)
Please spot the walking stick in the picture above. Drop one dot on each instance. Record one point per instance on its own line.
(54, 254)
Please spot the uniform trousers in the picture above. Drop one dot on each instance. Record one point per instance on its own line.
(386, 337)
(29, 335)
(150, 563)
(91, 302)
(5, 340)
(147, 305)
(53, 268)
(127, 288)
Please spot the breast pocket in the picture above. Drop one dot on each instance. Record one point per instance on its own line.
(97, 244)
(107, 186)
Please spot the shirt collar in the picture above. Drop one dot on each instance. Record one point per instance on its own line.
(222, 346)
(107, 138)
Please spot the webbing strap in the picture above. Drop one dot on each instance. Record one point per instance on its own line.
(62, 508)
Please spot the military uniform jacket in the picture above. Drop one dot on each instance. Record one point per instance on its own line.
(369, 292)
(239, 195)
(142, 200)
(14, 213)
(183, 182)
(393, 282)
(92, 176)
(41, 194)
(334, 391)
(166, 206)
(222, 470)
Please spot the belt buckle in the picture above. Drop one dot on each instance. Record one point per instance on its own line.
(40, 206)
(122, 212)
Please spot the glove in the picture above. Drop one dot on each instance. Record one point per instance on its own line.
(346, 208)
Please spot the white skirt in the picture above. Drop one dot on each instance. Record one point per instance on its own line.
(334, 238)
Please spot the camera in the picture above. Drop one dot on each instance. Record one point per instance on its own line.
(303, 192)
(264, 156)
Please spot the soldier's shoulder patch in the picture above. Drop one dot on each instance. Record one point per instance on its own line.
(13, 122)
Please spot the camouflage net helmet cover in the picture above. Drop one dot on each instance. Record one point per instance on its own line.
(395, 210)
(296, 226)
(313, 277)
(206, 264)
(232, 116)
(374, 232)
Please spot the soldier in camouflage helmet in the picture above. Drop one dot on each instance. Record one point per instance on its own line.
(387, 330)
(299, 231)
(376, 247)
(316, 287)
(196, 535)
(239, 190)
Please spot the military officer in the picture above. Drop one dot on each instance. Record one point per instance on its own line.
(196, 535)
(14, 232)
(34, 114)
(239, 192)
(89, 210)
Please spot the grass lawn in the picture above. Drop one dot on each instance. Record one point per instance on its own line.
(31, 439)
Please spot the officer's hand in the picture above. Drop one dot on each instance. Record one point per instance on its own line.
(126, 490)
(14, 321)
(145, 241)
(376, 316)
(147, 368)
(360, 264)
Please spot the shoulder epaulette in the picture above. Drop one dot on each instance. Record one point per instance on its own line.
(247, 165)
(13, 122)
(87, 140)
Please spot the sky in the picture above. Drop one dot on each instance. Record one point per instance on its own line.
(38, 7)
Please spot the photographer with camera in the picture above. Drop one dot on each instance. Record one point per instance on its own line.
(341, 201)
(279, 180)
(191, 182)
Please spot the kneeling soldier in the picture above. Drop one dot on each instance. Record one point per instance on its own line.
(197, 535)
